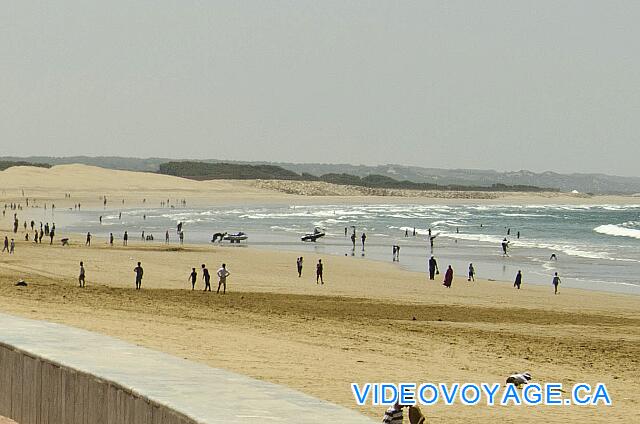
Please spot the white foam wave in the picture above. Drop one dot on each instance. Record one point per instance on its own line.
(617, 231)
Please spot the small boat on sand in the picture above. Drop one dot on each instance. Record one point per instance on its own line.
(313, 236)
(236, 237)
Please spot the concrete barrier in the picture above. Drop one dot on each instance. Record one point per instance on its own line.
(51, 374)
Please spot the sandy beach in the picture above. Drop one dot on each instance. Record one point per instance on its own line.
(370, 321)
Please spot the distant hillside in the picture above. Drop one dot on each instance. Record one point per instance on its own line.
(8, 164)
(585, 183)
(226, 171)
(213, 171)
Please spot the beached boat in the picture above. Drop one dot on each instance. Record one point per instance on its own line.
(313, 236)
(236, 237)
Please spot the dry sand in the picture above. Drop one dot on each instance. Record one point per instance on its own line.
(358, 327)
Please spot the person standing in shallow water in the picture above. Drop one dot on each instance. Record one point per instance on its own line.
(518, 281)
(556, 282)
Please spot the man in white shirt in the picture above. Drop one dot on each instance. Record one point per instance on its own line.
(222, 278)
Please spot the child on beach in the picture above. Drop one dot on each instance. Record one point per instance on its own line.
(472, 273)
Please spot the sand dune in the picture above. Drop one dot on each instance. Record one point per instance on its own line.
(88, 183)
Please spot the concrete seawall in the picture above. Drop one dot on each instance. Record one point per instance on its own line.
(51, 373)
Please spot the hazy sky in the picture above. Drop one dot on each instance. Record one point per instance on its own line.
(508, 85)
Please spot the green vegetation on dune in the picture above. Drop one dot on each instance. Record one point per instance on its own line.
(225, 171)
(8, 164)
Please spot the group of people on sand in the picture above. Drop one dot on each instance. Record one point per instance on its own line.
(319, 269)
(222, 274)
(448, 276)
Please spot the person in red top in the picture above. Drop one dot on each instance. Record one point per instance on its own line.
(448, 277)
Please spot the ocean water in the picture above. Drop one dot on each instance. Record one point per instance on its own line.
(598, 247)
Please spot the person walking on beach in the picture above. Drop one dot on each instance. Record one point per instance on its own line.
(52, 234)
(166, 237)
(556, 282)
(111, 239)
(206, 277)
(6, 244)
(448, 277)
(363, 238)
(81, 276)
(472, 273)
(505, 244)
(12, 247)
(433, 268)
(125, 239)
(345, 231)
(353, 239)
(193, 277)
(88, 242)
(299, 265)
(181, 237)
(222, 279)
(139, 273)
(518, 281)
(319, 269)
